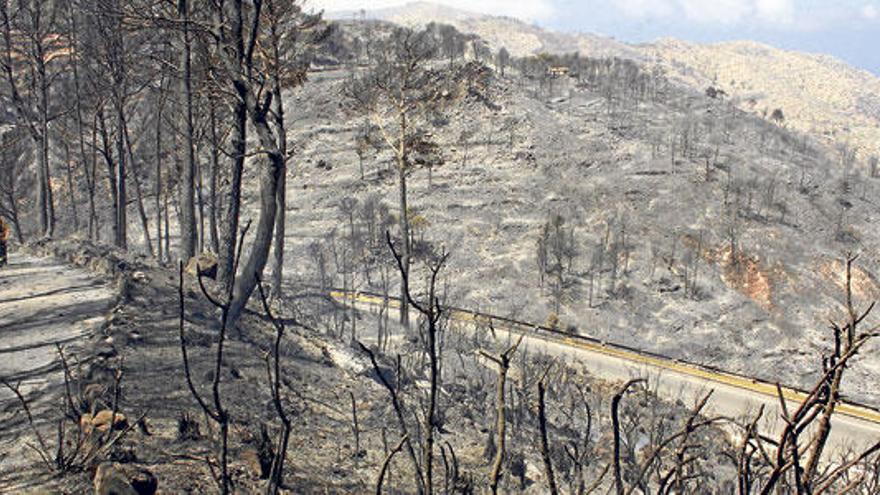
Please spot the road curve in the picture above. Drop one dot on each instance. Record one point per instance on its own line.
(853, 426)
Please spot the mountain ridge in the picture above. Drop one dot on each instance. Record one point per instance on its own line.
(819, 94)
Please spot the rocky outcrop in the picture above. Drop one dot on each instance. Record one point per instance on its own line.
(124, 479)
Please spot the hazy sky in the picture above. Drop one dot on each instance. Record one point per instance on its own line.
(847, 29)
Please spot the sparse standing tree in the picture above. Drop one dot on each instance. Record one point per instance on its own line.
(13, 156)
(258, 105)
(111, 43)
(503, 362)
(160, 107)
(433, 313)
(556, 251)
(188, 227)
(31, 43)
(545, 443)
(502, 60)
(286, 59)
(399, 95)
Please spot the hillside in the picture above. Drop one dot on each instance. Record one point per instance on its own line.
(280, 254)
(283, 255)
(641, 222)
(520, 38)
(818, 94)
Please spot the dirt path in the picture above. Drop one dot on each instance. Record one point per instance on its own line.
(43, 303)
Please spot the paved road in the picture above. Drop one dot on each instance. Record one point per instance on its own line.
(42, 303)
(852, 427)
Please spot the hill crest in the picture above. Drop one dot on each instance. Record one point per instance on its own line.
(819, 94)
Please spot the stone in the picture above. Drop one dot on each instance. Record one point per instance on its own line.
(205, 263)
(101, 421)
(124, 479)
(251, 459)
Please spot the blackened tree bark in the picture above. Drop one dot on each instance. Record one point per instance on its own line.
(215, 171)
(142, 212)
(110, 47)
(503, 362)
(13, 156)
(188, 234)
(270, 175)
(121, 240)
(71, 195)
(87, 171)
(234, 38)
(269, 133)
(401, 95)
(160, 107)
(433, 313)
(29, 61)
(278, 67)
(107, 153)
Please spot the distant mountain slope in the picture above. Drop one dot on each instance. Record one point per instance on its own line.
(818, 94)
(520, 38)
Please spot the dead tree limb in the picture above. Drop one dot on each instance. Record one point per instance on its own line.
(832, 478)
(744, 457)
(820, 402)
(832, 397)
(43, 451)
(655, 453)
(387, 462)
(615, 423)
(433, 313)
(217, 412)
(545, 447)
(276, 473)
(397, 404)
(355, 427)
(503, 362)
(596, 484)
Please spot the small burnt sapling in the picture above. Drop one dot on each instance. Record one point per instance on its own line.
(216, 412)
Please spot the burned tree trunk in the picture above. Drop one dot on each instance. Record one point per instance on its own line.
(188, 227)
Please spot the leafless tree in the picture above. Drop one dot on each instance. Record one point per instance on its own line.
(433, 313)
(815, 412)
(615, 407)
(13, 180)
(217, 412)
(545, 443)
(503, 362)
(238, 64)
(399, 96)
(274, 373)
(556, 251)
(30, 46)
(188, 227)
(400, 413)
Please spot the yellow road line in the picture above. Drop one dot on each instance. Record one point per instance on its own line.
(752, 385)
